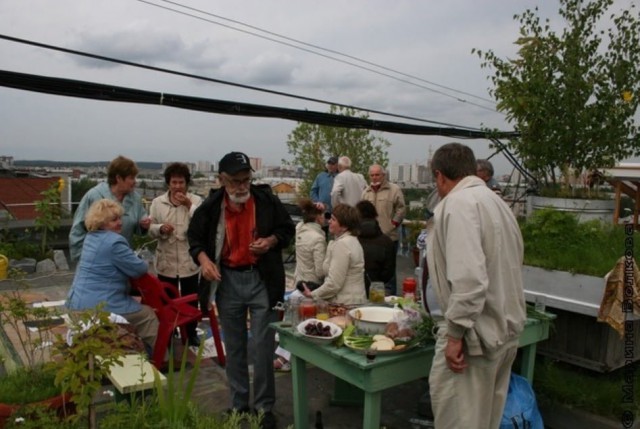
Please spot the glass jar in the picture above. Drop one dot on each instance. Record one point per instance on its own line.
(376, 292)
(322, 310)
(307, 309)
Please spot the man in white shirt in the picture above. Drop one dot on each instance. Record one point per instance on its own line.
(347, 185)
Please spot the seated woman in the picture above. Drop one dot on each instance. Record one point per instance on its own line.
(106, 264)
(379, 249)
(311, 247)
(344, 261)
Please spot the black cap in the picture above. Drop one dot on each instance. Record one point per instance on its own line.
(332, 160)
(233, 162)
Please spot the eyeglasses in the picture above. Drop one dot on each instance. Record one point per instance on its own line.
(239, 182)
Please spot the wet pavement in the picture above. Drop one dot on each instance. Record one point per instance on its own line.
(399, 404)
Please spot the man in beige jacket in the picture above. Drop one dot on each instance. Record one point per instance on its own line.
(474, 255)
(388, 200)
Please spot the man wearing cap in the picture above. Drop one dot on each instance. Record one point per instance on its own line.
(322, 185)
(237, 236)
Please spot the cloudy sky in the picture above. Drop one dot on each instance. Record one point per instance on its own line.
(425, 46)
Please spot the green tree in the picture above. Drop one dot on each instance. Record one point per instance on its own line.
(311, 146)
(572, 96)
(49, 212)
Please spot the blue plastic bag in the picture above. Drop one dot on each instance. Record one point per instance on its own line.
(521, 409)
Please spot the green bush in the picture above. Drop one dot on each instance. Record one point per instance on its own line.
(19, 249)
(556, 240)
(26, 385)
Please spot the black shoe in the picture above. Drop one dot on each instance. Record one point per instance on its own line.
(268, 421)
(193, 340)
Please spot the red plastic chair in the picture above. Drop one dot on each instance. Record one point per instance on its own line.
(174, 311)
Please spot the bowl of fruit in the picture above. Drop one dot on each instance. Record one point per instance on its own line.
(319, 331)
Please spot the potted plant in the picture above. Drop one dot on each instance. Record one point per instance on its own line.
(571, 97)
(413, 229)
(565, 265)
(92, 346)
(31, 378)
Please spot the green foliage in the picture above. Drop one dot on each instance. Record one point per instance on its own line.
(15, 248)
(37, 417)
(311, 146)
(145, 241)
(556, 240)
(148, 414)
(571, 96)
(96, 347)
(175, 402)
(557, 383)
(28, 384)
(415, 194)
(49, 212)
(414, 228)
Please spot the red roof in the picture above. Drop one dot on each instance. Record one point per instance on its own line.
(18, 195)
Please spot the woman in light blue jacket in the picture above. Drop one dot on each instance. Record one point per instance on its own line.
(105, 267)
(121, 182)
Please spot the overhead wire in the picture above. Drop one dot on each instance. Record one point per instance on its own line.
(98, 91)
(324, 55)
(326, 49)
(220, 81)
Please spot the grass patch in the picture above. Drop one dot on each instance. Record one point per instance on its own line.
(555, 240)
(598, 393)
(27, 385)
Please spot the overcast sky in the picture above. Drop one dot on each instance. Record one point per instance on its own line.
(431, 40)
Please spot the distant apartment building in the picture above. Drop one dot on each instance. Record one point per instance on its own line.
(204, 167)
(415, 174)
(192, 166)
(256, 163)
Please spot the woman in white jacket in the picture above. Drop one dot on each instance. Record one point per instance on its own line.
(344, 262)
(311, 247)
(311, 244)
(170, 216)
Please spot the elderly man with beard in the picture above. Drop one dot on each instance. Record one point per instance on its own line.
(237, 236)
(388, 200)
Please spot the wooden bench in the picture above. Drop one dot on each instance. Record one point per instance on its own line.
(136, 375)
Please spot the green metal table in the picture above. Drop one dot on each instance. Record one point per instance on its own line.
(380, 374)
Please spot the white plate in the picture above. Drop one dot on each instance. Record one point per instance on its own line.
(336, 331)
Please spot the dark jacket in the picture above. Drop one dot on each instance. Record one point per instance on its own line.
(271, 218)
(379, 253)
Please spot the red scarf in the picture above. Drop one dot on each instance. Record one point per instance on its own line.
(240, 232)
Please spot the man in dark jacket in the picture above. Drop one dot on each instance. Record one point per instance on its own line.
(237, 236)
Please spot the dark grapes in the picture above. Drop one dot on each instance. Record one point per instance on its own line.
(317, 329)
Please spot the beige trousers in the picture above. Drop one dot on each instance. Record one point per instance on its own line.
(474, 399)
(146, 325)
